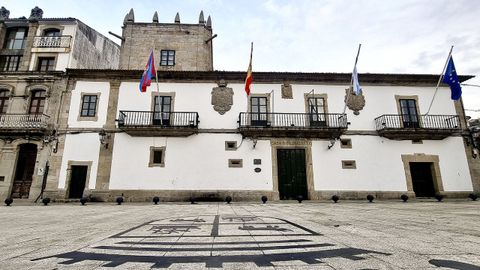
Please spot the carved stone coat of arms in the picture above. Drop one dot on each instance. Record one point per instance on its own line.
(354, 102)
(222, 98)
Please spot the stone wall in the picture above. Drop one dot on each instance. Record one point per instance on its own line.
(20, 87)
(91, 50)
(473, 161)
(192, 53)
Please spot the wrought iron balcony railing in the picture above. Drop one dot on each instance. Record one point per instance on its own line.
(158, 119)
(23, 121)
(52, 42)
(306, 125)
(406, 127)
(293, 120)
(401, 121)
(149, 123)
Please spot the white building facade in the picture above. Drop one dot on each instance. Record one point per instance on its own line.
(199, 135)
(89, 132)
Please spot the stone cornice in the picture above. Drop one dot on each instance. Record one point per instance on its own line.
(262, 77)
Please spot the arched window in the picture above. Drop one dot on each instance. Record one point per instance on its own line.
(3, 100)
(51, 32)
(37, 102)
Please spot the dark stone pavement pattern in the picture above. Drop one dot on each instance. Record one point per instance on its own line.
(280, 235)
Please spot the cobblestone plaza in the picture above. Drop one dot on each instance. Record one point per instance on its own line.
(313, 235)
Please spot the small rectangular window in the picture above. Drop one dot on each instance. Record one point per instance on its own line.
(235, 163)
(230, 145)
(167, 58)
(349, 164)
(157, 157)
(345, 143)
(89, 106)
(46, 63)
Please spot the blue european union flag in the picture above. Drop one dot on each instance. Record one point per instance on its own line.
(451, 78)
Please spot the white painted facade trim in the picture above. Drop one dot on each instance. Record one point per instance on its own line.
(379, 165)
(80, 147)
(198, 162)
(76, 101)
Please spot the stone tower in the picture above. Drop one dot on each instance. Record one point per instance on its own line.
(177, 46)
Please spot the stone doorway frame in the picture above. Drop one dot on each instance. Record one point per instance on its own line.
(420, 157)
(69, 176)
(13, 149)
(293, 144)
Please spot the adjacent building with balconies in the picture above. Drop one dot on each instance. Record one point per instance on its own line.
(34, 54)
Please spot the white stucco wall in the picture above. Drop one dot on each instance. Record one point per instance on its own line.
(76, 101)
(379, 165)
(80, 147)
(196, 97)
(198, 162)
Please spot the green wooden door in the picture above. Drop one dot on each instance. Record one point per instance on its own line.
(292, 177)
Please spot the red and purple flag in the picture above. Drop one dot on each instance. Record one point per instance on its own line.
(148, 74)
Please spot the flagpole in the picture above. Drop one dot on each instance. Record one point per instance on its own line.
(351, 79)
(158, 89)
(156, 71)
(249, 69)
(273, 99)
(251, 53)
(309, 99)
(440, 79)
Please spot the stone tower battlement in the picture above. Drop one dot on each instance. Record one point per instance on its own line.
(177, 46)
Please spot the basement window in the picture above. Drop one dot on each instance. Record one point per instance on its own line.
(235, 163)
(345, 143)
(157, 157)
(230, 145)
(349, 164)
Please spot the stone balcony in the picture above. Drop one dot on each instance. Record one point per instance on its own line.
(51, 44)
(23, 124)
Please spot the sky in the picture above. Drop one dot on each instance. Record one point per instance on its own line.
(309, 35)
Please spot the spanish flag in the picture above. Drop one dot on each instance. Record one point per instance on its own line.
(249, 78)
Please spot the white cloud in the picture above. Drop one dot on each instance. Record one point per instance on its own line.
(409, 36)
